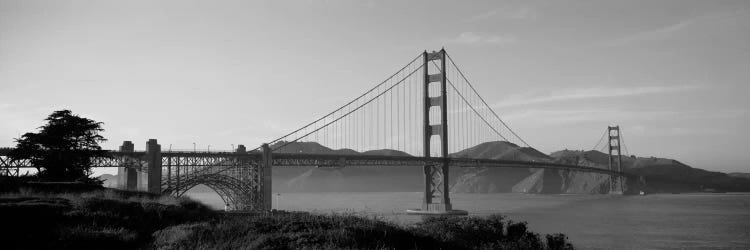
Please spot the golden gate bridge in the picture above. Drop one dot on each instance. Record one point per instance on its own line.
(425, 114)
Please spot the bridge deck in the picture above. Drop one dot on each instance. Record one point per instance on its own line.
(320, 160)
(326, 160)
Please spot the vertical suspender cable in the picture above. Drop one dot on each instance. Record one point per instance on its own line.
(407, 137)
(377, 120)
(485, 103)
(390, 123)
(384, 122)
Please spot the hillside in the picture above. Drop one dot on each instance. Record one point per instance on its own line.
(520, 180)
(346, 179)
(663, 175)
(740, 175)
(498, 180)
(309, 148)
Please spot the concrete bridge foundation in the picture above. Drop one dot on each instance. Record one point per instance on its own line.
(266, 178)
(153, 161)
(133, 176)
(127, 176)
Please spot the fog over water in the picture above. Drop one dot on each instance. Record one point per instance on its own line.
(704, 221)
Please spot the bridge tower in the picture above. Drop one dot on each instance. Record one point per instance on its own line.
(436, 198)
(615, 160)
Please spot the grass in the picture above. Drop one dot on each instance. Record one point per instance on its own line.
(111, 219)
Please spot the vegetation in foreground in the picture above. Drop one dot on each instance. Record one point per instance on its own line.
(283, 230)
(111, 219)
(103, 219)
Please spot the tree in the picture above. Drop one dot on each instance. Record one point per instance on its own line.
(63, 149)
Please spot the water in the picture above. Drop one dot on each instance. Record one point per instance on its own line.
(668, 221)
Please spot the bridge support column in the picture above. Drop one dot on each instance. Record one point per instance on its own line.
(177, 174)
(127, 175)
(437, 190)
(153, 159)
(244, 173)
(265, 177)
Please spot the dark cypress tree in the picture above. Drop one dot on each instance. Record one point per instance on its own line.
(63, 149)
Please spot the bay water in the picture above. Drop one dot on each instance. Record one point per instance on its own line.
(658, 221)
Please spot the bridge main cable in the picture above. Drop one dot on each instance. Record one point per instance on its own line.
(471, 106)
(483, 101)
(343, 106)
(601, 139)
(346, 105)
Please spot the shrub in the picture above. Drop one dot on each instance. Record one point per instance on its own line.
(464, 231)
(86, 237)
(127, 220)
(92, 219)
(558, 242)
(282, 230)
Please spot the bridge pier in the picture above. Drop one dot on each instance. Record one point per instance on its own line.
(265, 181)
(153, 160)
(127, 175)
(436, 186)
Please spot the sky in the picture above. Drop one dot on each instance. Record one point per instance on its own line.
(674, 74)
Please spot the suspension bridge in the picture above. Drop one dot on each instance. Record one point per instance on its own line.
(425, 114)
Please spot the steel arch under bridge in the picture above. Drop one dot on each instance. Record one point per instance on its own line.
(235, 176)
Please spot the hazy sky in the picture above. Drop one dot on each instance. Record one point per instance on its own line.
(673, 73)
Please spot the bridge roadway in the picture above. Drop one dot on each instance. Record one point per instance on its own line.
(243, 179)
(218, 159)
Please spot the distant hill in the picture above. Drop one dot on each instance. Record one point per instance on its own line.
(740, 175)
(497, 180)
(601, 158)
(524, 180)
(386, 152)
(490, 150)
(662, 175)
(309, 148)
(346, 179)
